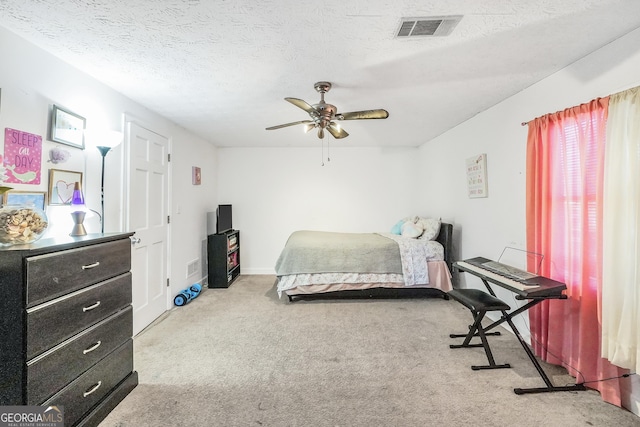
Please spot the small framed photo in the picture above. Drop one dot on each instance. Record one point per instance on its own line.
(61, 185)
(67, 127)
(196, 175)
(36, 198)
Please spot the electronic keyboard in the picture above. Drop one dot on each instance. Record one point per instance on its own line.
(535, 286)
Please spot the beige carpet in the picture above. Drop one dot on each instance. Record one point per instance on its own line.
(243, 357)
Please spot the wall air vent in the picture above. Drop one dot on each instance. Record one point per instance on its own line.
(433, 26)
(193, 267)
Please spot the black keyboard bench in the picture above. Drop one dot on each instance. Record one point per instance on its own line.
(479, 303)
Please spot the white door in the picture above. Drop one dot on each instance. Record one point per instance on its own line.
(147, 207)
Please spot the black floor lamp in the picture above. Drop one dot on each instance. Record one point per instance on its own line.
(104, 149)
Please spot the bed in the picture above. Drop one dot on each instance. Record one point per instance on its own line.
(320, 264)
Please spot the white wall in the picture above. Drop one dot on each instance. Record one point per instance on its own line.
(189, 206)
(31, 81)
(484, 226)
(275, 191)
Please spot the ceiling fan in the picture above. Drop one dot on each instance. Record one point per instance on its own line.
(323, 115)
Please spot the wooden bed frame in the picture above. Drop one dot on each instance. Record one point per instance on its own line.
(445, 237)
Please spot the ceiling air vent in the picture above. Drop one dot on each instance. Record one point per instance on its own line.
(434, 26)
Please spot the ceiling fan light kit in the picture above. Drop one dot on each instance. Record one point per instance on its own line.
(323, 115)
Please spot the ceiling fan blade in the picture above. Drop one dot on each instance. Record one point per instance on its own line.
(366, 114)
(337, 132)
(301, 122)
(301, 104)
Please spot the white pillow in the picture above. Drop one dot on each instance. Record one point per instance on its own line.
(431, 227)
(409, 229)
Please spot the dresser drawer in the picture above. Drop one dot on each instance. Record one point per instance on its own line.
(89, 388)
(55, 274)
(53, 322)
(56, 368)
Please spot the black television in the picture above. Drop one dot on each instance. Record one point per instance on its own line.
(224, 218)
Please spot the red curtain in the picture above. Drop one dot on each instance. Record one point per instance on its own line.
(565, 160)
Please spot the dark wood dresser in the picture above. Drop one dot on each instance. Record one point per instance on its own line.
(66, 325)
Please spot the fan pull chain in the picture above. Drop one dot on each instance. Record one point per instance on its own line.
(322, 141)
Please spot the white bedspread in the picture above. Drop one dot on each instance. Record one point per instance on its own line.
(414, 254)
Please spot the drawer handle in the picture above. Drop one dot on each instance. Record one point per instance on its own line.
(91, 307)
(93, 347)
(94, 265)
(93, 389)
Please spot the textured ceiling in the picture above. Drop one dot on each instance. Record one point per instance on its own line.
(221, 68)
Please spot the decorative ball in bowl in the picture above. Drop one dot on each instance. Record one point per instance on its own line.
(20, 224)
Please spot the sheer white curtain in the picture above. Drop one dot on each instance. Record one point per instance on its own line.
(621, 233)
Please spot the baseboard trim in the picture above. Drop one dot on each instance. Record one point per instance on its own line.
(258, 271)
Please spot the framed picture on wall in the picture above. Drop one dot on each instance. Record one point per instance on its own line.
(477, 176)
(36, 198)
(196, 175)
(67, 127)
(61, 185)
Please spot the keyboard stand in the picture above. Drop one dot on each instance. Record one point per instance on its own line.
(507, 317)
(550, 387)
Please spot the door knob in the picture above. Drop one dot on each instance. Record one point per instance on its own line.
(134, 240)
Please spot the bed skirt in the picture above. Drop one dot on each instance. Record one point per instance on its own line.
(439, 278)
